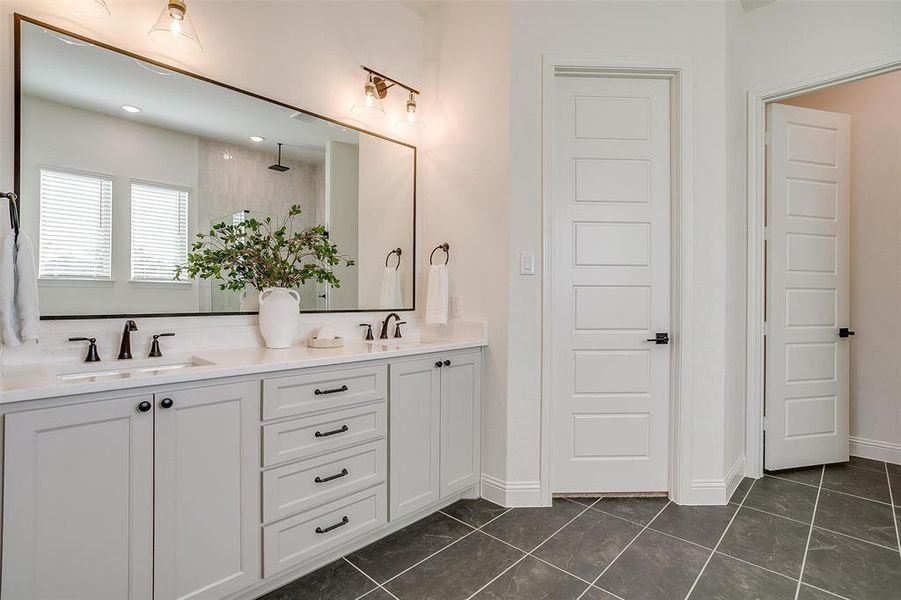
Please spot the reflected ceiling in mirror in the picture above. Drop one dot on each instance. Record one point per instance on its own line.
(123, 161)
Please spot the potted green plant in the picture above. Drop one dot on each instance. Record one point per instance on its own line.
(270, 256)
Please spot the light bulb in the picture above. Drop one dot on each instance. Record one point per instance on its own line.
(369, 102)
(174, 28)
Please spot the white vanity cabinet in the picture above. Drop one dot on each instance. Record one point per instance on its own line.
(78, 501)
(226, 487)
(434, 429)
(152, 495)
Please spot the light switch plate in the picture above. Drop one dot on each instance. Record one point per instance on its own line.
(526, 263)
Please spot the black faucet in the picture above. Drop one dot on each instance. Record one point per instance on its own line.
(125, 346)
(384, 334)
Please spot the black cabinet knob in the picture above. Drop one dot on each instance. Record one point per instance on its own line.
(166, 403)
(144, 406)
(438, 365)
(447, 363)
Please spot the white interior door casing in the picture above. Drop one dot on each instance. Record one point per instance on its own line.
(808, 208)
(610, 219)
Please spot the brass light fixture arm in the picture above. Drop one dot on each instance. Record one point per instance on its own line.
(373, 72)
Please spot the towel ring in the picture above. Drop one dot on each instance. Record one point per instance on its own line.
(396, 251)
(446, 247)
(13, 211)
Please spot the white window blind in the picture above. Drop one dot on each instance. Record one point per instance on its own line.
(159, 231)
(75, 225)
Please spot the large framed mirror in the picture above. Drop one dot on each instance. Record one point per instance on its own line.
(121, 161)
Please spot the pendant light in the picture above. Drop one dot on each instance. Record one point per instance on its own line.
(371, 101)
(175, 29)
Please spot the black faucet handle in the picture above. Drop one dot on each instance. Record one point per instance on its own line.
(397, 328)
(92, 355)
(368, 327)
(155, 351)
(131, 325)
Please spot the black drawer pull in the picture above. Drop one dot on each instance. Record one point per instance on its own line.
(319, 392)
(330, 477)
(344, 521)
(328, 433)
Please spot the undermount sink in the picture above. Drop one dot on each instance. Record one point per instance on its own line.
(142, 370)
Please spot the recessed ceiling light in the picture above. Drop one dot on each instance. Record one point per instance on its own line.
(257, 138)
(130, 108)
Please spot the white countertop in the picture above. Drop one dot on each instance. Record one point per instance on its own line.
(31, 382)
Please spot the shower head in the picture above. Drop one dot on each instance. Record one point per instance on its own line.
(278, 166)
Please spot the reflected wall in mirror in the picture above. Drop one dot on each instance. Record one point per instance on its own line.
(122, 162)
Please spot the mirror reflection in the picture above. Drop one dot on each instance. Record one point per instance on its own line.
(122, 163)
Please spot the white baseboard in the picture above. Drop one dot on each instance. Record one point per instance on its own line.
(716, 492)
(511, 493)
(885, 451)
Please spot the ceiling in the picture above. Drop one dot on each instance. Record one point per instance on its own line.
(62, 69)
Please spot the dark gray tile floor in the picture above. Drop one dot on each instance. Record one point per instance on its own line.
(806, 534)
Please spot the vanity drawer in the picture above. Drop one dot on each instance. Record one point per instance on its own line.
(302, 485)
(296, 539)
(312, 436)
(325, 390)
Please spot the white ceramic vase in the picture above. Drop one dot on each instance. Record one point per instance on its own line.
(279, 314)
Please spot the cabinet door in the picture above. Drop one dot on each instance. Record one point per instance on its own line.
(461, 388)
(207, 496)
(414, 407)
(78, 492)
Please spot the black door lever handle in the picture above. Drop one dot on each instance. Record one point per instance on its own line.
(845, 332)
(659, 338)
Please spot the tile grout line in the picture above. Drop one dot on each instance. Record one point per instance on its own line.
(474, 529)
(813, 519)
(719, 541)
(529, 553)
(601, 574)
(829, 489)
(891, 498)
(378, 586)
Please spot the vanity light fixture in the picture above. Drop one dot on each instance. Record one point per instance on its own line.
(257, 139)
(130, 109)
(175, 29)
(410, 120)
(376, 89)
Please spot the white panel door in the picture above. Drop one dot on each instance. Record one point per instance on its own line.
(207, 496)
(807, 292)
(610, 211)
(414, 415)
(461, 388)
(78, 501)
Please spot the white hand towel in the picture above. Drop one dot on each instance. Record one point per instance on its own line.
(9, 327)
(27, 307)
(437, 300)
(391, 295)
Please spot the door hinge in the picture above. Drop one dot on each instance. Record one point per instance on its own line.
(764, 423)
(766, 328)
(766, 233)
(768, 138)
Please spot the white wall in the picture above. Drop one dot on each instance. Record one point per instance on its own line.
(63, 137)
(875, 108)
(465, 169)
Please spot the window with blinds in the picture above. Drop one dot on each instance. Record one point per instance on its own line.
(159, 231)
(75, 225)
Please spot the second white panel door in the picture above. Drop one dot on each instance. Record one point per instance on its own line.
(610, 219)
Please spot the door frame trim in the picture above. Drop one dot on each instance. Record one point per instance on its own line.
(678, 72)
(756, 198)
